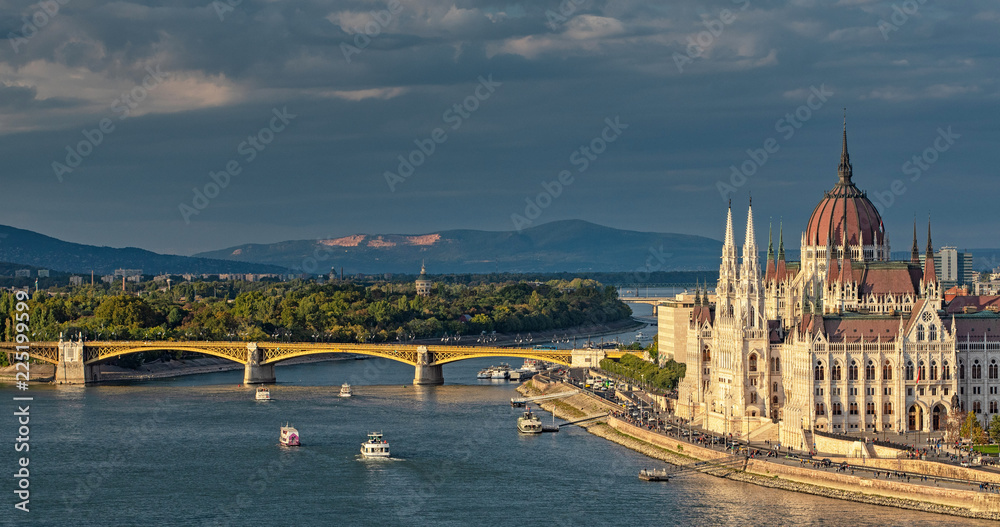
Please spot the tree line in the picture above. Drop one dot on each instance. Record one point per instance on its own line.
(307, 311)
(639, 371)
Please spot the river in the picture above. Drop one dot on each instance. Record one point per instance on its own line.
(198, 450)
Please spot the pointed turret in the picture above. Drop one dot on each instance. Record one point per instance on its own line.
(729, 227)
(697, 293)
(726, 286)
(915, 252)
(781, 241)
(844, 171)
(930, 274)
(750, 268)
(769, 273)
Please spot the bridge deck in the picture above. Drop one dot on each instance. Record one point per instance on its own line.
(271, 352)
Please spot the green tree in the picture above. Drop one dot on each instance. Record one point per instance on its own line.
(995, 429)
(965, 432)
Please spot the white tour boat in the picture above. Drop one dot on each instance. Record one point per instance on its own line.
(289, 436)
(529, 423)
(500, 372)
(345, 390)
(375, 446)
(263, 394)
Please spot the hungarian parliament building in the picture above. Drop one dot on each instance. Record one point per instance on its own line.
(845, 340)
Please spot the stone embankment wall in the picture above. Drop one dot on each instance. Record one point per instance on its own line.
(925, 467)
(832, 484)
(844, 448)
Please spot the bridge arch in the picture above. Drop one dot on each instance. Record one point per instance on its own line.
(102, 354)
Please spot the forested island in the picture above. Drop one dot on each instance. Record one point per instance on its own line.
(306, 311)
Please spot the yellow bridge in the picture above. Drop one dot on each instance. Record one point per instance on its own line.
(75, 360)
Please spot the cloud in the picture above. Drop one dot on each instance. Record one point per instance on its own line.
(373, 93)
(558, 84)
(588, 27)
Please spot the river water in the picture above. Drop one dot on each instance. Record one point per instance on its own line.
(199, 450)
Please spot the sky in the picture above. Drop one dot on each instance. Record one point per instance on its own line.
(188, 126)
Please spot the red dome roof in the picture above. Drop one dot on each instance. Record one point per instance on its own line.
(845, 205)
(864, 224)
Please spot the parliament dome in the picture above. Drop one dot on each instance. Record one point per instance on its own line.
(844, 207)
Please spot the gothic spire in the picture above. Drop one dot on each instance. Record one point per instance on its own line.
(844, 170)
(930, 247)
(751, 238)
(729, 226)
(770, 243)
(930, 274)
(781, 241)
(915, 252)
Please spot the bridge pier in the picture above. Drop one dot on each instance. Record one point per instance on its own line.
(426, 372)
(428, 375)
(71, 368)
(254, 372)
(587, 358)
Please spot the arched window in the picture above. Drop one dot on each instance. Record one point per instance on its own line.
(993, 369)
(993, 407)
(961, 370)
(869, 408)
(835, 371)
(934, 371)
(887, 408)
(753, 398)
(852, 371)
(836, 409)
(854, 408)
(909, 370)
(730, 311)
(820, 409)
(777, 364)
(887, 371)
(945, 371)
(920, 332)
(819, 371)
(977, 370)
(706, 355)
(932, 333)
(774, 400)
(752, 317)
(921, 371)
(976, 407)
(753, 362)
(870, 371)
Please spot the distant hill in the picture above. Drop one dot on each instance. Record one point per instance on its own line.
(27, 248)
(571, 246)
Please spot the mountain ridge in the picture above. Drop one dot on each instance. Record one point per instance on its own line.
(24, 247)
(565, 245)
